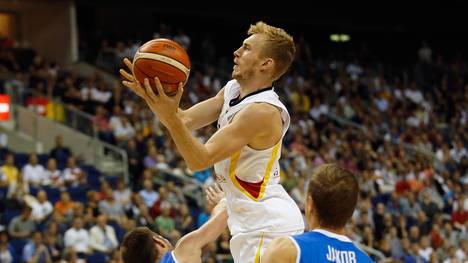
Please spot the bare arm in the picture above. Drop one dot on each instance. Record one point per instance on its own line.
(203, 113)
(249, 124)
(189, 247)
(280, 250)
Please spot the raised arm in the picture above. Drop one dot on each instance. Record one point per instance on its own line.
(203, 113)
(189, 247)
(280, 250)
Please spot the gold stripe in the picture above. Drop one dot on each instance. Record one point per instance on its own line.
(266, 176)
(164, 59)
(259, 249)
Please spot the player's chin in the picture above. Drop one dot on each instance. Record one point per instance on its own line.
(235, 74)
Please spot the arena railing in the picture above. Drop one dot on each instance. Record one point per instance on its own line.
(44, 118)
(65, 120)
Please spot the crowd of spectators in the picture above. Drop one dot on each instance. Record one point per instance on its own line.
(402, 130)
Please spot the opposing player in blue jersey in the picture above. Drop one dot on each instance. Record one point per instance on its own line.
(142, 245)
(331, 200)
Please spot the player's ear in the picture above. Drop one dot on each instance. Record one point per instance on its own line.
(267, 64)
(309, 205)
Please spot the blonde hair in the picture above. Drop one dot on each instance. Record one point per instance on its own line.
(279, 46)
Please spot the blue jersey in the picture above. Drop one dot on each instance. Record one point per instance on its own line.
(324, 246)
(168, 258)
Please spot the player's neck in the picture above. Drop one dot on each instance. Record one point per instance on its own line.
(249, 86)
(338, 231)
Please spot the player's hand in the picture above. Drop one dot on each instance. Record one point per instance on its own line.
(214, 194)
(163, 106)
(163, 245)
(130, 81)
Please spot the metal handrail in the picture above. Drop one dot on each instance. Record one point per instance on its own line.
(16, 98)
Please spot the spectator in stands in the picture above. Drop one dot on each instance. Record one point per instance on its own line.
(164, 222)
(102, 125)
(102, 237)
(33, 172)
(36, 251)
(17, 190)
(41, 209)
(6, 250)
(122, 194)
(53, 176)
(135, 166)
(60, 152)
(139, 211)
(124, 132)
(22, 226)
(151, 159)
(9, 172)
(184, 221)
(73, 175)
(149, 195)
(175, 196)
(111, 207)
(65, 206)
(51, 242)
(77, 238)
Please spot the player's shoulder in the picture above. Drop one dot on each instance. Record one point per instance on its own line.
(258, 114)
(281, 249)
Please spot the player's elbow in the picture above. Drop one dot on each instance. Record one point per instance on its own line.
(197, 166)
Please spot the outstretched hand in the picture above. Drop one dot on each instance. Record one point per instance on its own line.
(163, 245)
(214, 197)
(165, 107)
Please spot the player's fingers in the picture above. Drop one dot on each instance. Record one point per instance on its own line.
(180, 91)
(135, 88)
(159, 88)
(149, 90)
(162, 241)
(128, 63)
(126, 75)
(218, 187)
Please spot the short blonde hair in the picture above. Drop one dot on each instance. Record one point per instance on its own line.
(279, 46)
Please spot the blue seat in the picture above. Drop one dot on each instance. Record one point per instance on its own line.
(18, 245)
(97, 257)
(9, 214)
(43, 158)
(77, 193)
(3, 193)
(119, 231)
(21, 159)
(53, 194)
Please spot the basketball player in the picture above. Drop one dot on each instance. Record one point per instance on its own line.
(143, 245)
(331, 200)
(247, 146)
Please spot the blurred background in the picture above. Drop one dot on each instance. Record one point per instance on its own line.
(380, 88)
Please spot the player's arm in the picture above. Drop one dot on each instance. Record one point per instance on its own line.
(280, 250)
(251, 123)
(203, 113)
(189, 247)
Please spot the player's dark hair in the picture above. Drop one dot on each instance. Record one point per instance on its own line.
(334, 192)
(138, 246)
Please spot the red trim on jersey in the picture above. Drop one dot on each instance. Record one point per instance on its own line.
(252, 188)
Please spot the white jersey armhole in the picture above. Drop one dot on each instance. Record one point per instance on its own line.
(298, 249)
(173, 256)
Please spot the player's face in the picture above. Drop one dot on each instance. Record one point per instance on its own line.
(247, 60)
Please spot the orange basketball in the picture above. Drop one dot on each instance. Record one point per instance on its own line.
(165, 59)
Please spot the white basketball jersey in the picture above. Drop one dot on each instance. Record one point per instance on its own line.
(250, 178)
